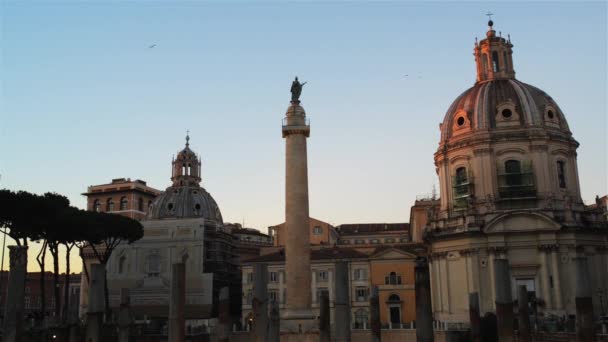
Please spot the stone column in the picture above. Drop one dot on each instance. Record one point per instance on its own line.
(523, 314)
(374, 308)
(342, 303)
(544, 277)
(73, 321)
(96, 303)
(474, 317)
(223, 329)
(177, 303)
(274, 326)
(13, 311)
(556, 279)
(298, 315)
(324, 313)
(504, 300)
(584, 303)
(260, 302)
(124, 316)
(424, 310)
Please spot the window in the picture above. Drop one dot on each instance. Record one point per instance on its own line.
(320, 292)
(322, 276)
(507, 113)
(344, 242)
(461, 175)
(513, 171)
(392, 279)
(460, 187)
(550, 114)
(110, 205)
(249, 277)
(361, 319)
(389, 240)
(123, 203)
(153, 264)
(274, 277)
(394, 307)
(360, 274)
(317, 230)
(96, 205)
(460, 121)
(495, 65)
(361, 294)
(121, 264)
(140, 204)
(516, 179)
(374, 241)
(561, 173)
(359, 242)
(273, 296)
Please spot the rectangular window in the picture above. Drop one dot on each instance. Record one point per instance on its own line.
(317, 230)
(274, 277)
(361, 294)
(359, 242)
(561, 174)
(322, 276)
(273, 296)
(360, 274)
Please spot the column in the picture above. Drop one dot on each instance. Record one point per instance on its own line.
(504, 301)
(584, 302)
(324, 327)
(523, 314)
(96, 303)
(474, 317)
(492, 280)
(274, 325)
(374, 309)
(13, 313)
(342, 303)
(557, 287)
(424, 313)
(544, 278)
(177, 303)
(124, 316)
(260, 302)
(225, 323)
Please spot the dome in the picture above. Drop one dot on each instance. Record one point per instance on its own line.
(185, 202)
(502, 103)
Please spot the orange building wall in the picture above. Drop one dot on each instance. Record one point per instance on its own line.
(324, 238)
(405, 291)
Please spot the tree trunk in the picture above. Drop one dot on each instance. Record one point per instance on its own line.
(56, 290)
(41, 263)
(66, 290)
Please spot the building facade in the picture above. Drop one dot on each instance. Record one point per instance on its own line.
(507, 166)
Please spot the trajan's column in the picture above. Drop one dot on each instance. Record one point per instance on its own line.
(298, 316)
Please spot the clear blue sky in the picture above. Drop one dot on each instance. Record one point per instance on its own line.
(84, 100)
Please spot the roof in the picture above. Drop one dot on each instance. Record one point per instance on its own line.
(315, 254)
(369, 228)
(248, 231)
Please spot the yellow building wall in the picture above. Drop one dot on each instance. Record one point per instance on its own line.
(323, 238)
(405, 268)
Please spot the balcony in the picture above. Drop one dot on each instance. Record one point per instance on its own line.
(516, 185)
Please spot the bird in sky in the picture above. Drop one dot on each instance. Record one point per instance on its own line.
(151, 46)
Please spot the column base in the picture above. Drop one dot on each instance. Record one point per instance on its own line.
(301, 321)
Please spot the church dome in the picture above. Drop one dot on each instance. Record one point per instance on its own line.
(502, 103)
(185, 202)
(185, 198)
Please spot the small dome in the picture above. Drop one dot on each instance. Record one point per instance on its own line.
(502, 103)
(185, 202)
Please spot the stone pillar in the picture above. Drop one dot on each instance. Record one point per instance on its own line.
(223, 329)
(96, 306)
(73, 321)
(584, 303)
(274, 326)
(13, 311)
(523, 314)
(342, 303)
(474, 317)
(124, 316)
(544, 277)
(298, 316)
(260, 302)
(504, 300)
(374, 309)
(324, 313)
(424, 310)
(177, 303)
(556, 279)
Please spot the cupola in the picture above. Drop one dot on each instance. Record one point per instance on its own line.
(186, 167)
(493, 56)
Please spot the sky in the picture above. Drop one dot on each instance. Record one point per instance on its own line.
(84, 98)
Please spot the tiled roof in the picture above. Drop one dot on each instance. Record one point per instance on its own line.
(315, 254)
(367, 228)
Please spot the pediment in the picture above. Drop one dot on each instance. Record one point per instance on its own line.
(521, 222)
(393, 253)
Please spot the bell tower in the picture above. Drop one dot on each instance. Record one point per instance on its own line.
(494, 56)
(186, 168)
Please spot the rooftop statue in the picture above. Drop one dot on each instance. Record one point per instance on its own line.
(296, 90)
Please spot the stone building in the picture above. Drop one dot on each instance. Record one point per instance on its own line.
(249, 241)
(121, 196)
(507, 166)
(389, 268)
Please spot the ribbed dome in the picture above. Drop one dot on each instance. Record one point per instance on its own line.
(502, 103)
(185, 202)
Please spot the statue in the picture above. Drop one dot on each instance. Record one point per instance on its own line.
(296, 90)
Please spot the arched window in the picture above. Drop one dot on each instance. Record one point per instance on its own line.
(561, 173)
(183, 169)
(110, 205)
(361, 319)
(461, 175)
(123, 203)
(394, 298)
(484, 62)
(140, 204)
(189, 169)
(495, 65)
(394, 307)
(121, 264)
(96, 205)
(392, 279)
